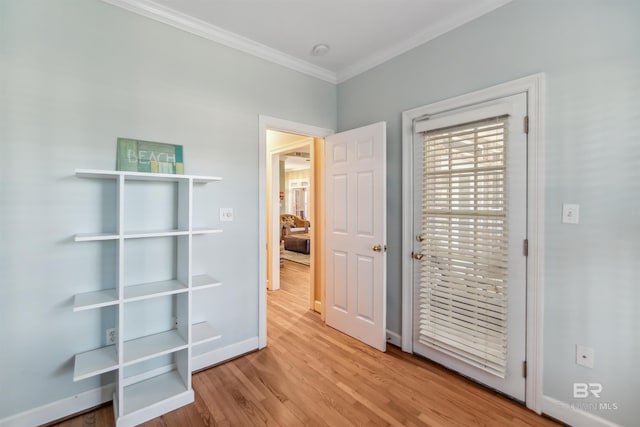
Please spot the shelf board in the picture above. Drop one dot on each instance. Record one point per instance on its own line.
(96, 299)
(153, 289)
(92, 237)
(143, 176)
(95, 362)
(203, 332)
(160, 233)
(199, 179)
(206, 231)
(140, 349)
(204, 281)
(168, 390)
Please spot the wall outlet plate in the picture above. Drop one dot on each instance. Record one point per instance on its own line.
(226, 214)
(111, 336)
(584, 356)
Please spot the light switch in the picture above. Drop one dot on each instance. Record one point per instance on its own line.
(570, 213)
(226, 214)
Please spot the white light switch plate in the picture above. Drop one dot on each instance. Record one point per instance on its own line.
(226, 214)
(570, 213)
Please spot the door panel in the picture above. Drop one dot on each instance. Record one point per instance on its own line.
(356, 224)
(340, 203)
(339, 295)
(470, 221)
(364, 288)
(364, 209)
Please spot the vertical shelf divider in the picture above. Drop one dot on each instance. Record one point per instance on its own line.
(118, 404)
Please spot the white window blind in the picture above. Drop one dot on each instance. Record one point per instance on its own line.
(463, 283)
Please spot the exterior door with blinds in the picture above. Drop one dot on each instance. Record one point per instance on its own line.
(470, 197)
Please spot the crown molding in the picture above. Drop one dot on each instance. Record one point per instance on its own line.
(421, 38)
(203, 29)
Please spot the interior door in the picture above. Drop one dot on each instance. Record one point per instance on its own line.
(470, 221)
(355, 247)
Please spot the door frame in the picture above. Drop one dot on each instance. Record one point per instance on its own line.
(533, 86)
(271, 123)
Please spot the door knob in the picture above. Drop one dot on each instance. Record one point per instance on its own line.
(418, 256)
(419, 238)
(377, 248)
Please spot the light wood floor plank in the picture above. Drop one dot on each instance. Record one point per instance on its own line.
(313, 375)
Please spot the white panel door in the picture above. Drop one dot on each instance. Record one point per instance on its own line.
(356, 233)
(470, 194)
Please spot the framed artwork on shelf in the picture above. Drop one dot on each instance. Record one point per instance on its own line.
(147, 156)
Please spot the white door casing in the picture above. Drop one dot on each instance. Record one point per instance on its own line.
(515, 106)
(355, 176)
(534, 87)
(276, 124)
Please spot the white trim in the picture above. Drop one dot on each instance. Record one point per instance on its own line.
(571, 415)
(208, 31)
(393, 338)
(271, 123)
(61, 408)
(214, 357)
(471, 11)
(534, 87)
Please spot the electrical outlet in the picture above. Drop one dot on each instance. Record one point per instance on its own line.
(111, 336)
(584, 356)
(226, 214)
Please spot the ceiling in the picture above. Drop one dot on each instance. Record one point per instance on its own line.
(361, 33)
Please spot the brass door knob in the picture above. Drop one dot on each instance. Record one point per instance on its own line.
(418, 256)
(377, 248)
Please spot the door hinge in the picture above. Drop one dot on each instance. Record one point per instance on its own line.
(525, 247)
(524, 369)
(526, 124)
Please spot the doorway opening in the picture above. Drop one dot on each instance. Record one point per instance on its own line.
(269, 230)
(291, 207)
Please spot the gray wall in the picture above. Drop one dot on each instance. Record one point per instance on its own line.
(590, 52)
(74, 76)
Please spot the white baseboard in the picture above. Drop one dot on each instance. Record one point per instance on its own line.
(393, 338)
(223, 354)
(60, 409)
(571, 415)
(81, 402)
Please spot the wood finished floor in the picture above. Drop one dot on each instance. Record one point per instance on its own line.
(313, 375)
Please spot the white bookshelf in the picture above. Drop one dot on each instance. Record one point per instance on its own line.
(139, 397)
